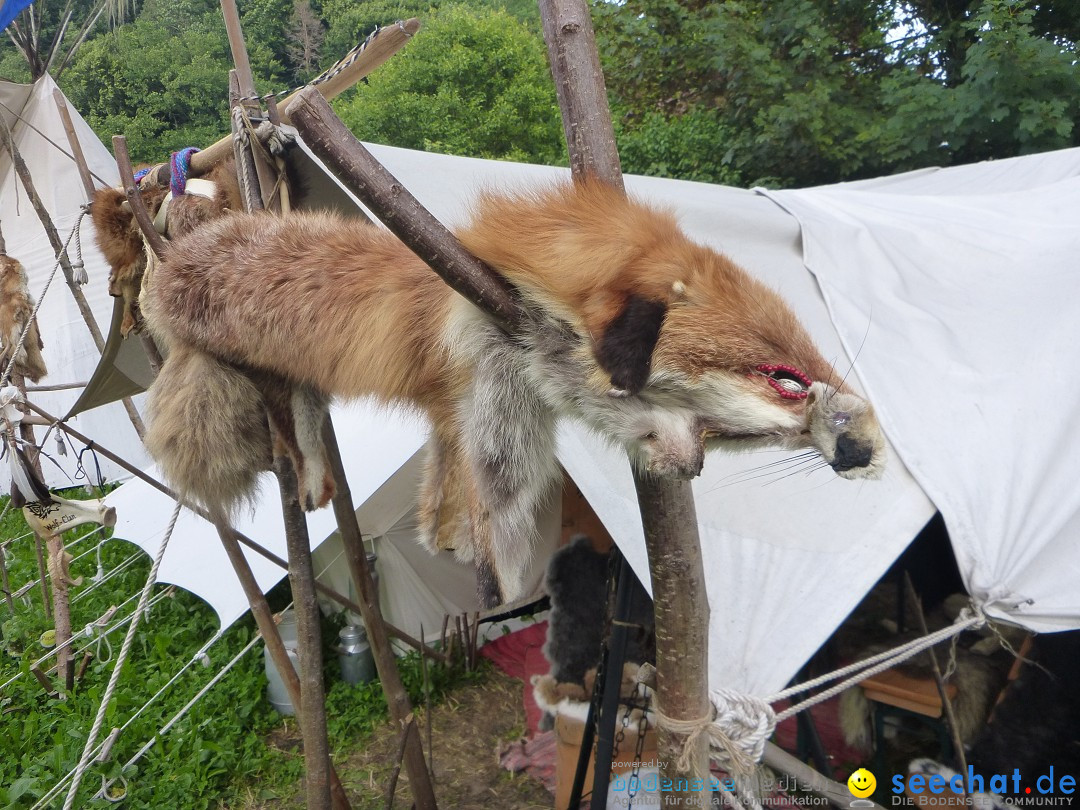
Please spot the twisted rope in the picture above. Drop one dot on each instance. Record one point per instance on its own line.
(114, 678)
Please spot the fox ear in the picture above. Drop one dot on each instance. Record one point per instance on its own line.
(626, 347)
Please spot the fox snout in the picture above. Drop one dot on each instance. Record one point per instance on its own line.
(844, 428)
(851, 453)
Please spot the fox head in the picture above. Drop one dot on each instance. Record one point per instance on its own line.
(676, 348)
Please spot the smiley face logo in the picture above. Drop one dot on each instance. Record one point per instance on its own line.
(861, 783)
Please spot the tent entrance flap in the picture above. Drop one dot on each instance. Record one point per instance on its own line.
(123, 371)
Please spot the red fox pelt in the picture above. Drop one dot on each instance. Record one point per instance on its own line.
(121, 242)
(16, 306)
(660, 344)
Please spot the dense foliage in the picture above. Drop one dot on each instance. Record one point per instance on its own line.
(735, 91)
(813, 91)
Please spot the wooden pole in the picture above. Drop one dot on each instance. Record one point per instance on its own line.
(264, 619)
(397, 699)
(62, 257)
(399, 210)
(301, 575)
(667, 505)
(239, 49)
(73, 142)
(5, 581)
(579, 85)
(309, 640)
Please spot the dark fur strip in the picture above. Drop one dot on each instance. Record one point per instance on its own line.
(625, 350)
(487, 584)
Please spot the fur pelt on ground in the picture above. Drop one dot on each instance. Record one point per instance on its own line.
(16, 306)
(663, 346)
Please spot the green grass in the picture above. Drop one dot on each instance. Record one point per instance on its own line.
(217, 754)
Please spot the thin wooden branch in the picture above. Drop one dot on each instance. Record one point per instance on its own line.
(406, 735)
(397, 698)
(309, 640)
(5, 580)
(135, 200)
(667, 505)
(939, 680)
(73, 142)
(399, 211)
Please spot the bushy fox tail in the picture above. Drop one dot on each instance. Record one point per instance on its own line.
(208, 430)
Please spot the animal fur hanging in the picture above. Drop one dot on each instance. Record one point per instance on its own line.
(661, 345)
(16, 306)
(121, 241)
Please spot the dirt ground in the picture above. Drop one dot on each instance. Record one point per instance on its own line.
(469, 728)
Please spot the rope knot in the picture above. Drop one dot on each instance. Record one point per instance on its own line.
(741, 726)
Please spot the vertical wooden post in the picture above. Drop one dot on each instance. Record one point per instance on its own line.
(317, 765)
(309, 640)
(264, 619)
(667, 506)
(239, 48)
(397, 699)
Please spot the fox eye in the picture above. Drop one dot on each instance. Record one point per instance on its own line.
(789, 382)
(651, 435)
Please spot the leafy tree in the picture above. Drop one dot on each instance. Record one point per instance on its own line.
(163, 80)
(813, 91)
(469, 84)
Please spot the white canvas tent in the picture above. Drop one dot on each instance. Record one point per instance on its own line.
(788, 557)
(31, 112)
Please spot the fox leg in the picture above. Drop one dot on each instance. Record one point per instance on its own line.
(509, 435)
(297, 413)
(444, 501)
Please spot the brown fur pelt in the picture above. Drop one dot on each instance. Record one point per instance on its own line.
(979, 676)
(232, 444)
(121, 241)
(663, 346)
(16, 306)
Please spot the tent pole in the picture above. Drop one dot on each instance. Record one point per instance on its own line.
(259, 549)
(309, 639)
(73, 142)
(62, 258)
(420, 778)
(667, 506)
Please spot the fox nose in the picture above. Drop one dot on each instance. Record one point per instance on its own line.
(851, 453)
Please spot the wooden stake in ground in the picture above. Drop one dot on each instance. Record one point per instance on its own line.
(667, 506)
(397, 699)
